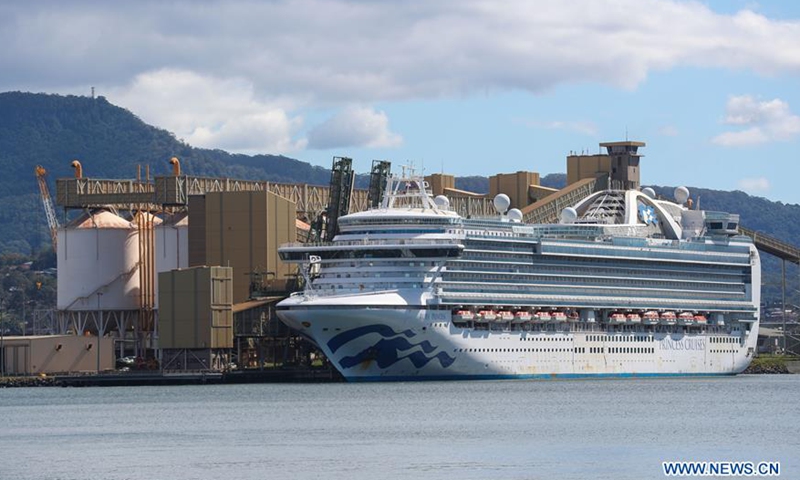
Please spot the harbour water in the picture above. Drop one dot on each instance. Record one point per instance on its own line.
(566, 429)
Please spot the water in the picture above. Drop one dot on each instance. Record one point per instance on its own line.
(569, 429)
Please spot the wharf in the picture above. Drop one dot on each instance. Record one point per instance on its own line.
(133, 379)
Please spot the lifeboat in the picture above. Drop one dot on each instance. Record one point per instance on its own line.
(463, 316)
(487, 315)
(559, 317)
(650, 317)
(700, 319)
(542, 316)
(685, 318)
(522, 316)
(617, 318)
(668, 318)
(634, 318)
(504, 316)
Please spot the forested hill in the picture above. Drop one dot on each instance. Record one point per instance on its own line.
(110, 141)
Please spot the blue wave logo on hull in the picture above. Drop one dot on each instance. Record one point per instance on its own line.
(386, 352)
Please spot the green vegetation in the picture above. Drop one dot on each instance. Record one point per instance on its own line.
(28, 284)
(771, 364)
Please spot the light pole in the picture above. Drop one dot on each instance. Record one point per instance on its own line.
(99, 329)
(2, 349)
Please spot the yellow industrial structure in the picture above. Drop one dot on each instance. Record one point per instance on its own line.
(242, 230)
(196, 318)
(36, 354)
(515, 185)
(620, 163)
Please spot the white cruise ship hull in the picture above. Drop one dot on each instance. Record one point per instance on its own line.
(384, 339)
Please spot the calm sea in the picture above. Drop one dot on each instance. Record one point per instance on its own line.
(573, 429)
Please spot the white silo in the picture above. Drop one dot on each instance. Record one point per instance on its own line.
(172, 246)
(98, 256)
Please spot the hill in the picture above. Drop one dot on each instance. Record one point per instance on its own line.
(110, 141)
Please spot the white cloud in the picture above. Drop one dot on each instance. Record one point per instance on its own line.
(338, 52)
(754, 185)
(354, 127)
(668, 131)
(580, 126)
(211, 112)
(766, 121)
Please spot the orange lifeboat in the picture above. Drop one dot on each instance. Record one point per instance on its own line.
(504, 316)
(617, 318)
(650, 317)
(668, 318)
(522, 316)
(685, 318)
(634, 318)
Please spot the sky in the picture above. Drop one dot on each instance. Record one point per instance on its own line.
(467, 87)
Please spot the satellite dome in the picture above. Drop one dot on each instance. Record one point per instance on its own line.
(649, 192)
(515, 215)
(569, 215)
(681, 195)
(501, 203)
(441, 201)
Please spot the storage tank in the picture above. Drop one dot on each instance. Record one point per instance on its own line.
(172, 245)
(98, 253)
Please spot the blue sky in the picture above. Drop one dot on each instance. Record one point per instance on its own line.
(471, 87)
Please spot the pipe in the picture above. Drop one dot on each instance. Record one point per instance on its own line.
(78, 169)
(176, 166)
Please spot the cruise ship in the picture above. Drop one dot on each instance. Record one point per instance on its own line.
(625, 284)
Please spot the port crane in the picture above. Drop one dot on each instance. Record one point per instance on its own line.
(47, 202)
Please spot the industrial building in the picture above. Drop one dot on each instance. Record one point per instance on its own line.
(48, 354)
(185, 269)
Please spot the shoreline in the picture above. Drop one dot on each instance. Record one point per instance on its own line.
(768, 366)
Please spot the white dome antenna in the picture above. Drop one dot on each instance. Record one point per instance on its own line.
(569, 215)
(442, 202)
(681, 194)
(649, 192)
(515, 215)
(501, 203)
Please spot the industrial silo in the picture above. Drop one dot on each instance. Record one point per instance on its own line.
(171, 245)
(98, 257)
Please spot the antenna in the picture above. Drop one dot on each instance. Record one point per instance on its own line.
(626, 133)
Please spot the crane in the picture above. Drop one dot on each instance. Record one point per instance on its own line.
(47, 202)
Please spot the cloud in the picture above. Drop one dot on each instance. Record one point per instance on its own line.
(668, 131)
(339, 52)
(766, 121)
(580, 126)
(211, 112)
(354, 127)
(754, 185)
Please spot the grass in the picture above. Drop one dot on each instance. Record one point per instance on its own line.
(770, 360)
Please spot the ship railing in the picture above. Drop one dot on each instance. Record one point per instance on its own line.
(430, 241)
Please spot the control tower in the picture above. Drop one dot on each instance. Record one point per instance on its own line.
(620, 165)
